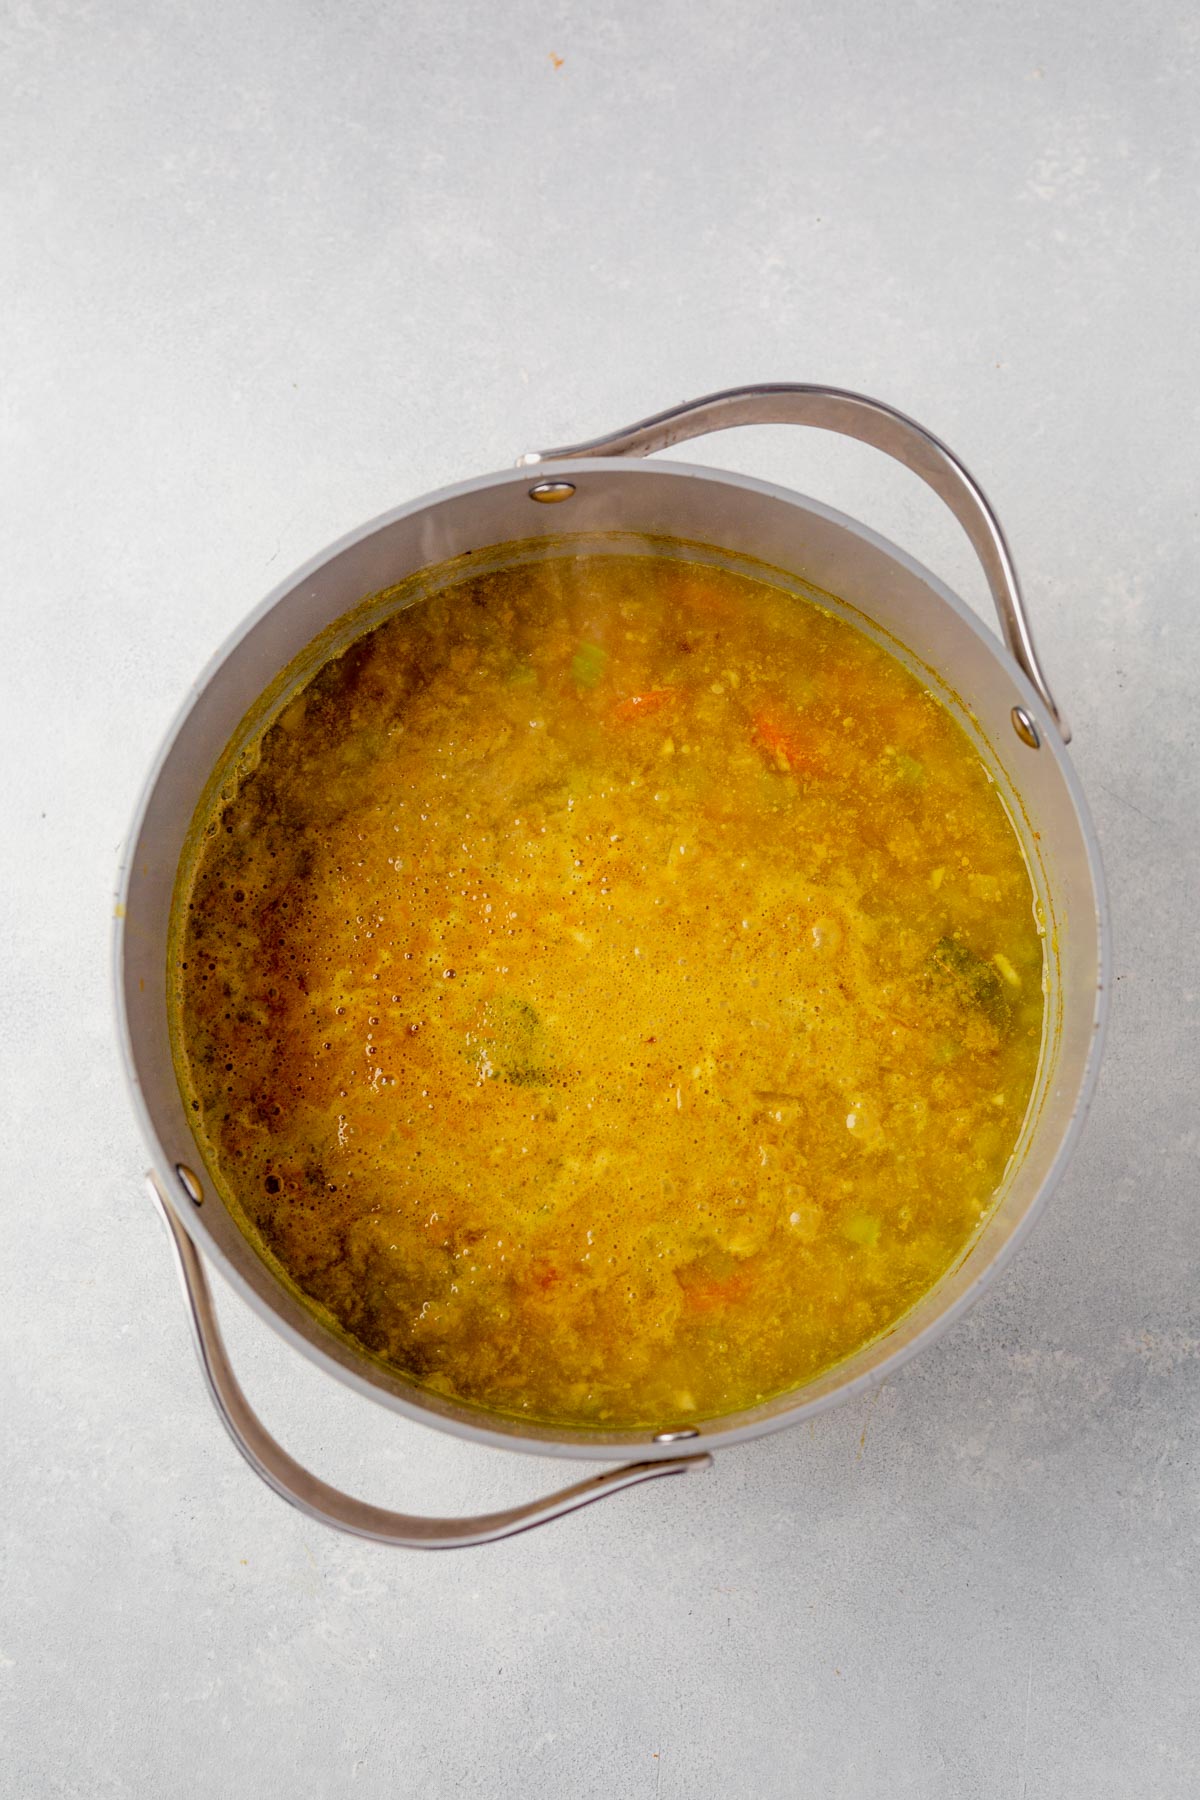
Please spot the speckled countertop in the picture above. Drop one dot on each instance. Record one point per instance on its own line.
(269, 269)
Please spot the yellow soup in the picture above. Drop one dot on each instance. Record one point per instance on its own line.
(611, 991)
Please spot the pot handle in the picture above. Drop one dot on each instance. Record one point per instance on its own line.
(305, 1491)
(871, 422)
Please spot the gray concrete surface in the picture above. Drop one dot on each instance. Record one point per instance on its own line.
(267, 268)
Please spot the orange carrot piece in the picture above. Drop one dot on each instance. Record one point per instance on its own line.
(790, 745)
(705, 1295)
(640, 706)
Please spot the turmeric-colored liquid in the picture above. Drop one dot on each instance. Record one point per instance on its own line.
(612, 991)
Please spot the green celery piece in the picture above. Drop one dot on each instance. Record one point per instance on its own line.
(587, 664)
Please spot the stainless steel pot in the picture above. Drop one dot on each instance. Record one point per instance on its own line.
(589, 496)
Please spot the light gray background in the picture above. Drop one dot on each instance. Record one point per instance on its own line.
(268, 268)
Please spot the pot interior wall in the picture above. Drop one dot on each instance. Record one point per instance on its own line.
(622, 508)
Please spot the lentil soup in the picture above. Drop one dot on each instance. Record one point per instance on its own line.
(610, 991)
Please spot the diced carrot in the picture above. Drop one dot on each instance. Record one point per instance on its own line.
(705, 1294)
(790, 744)
(640, 706)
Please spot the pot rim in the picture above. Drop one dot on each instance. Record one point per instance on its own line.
(722, 1430)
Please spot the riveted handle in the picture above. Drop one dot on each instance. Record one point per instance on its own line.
(871, 422)
(305, 1491)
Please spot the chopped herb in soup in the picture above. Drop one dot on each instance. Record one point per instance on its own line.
(611, 990)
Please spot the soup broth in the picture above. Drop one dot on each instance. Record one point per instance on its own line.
(610, 991)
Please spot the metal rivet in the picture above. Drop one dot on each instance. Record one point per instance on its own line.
(675, 1437)
(191, 1185)
(1025, 728)
(550, 491)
